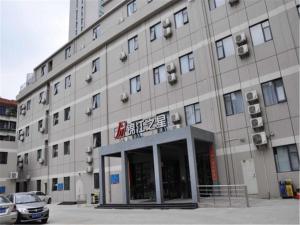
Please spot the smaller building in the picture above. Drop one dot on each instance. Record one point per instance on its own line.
(8, 146)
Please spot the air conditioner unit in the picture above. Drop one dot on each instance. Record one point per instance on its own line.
(167, 32)
(41, 160)
(233, 2)
(21, 132)
(23, 106)
(123, 56)
(240, 39)
(171, 68)
(88, 111)
(23, 112)
(88, 78)
(13, 175)
(20, 165)
(42, 129)
(20, 159)
(89, 149)
(175, 117)
(28, 177)
(22, 138)
(259, 138)
(257, 122)
(89, 159)
(252, 96)
(124, 97)
(89, 169)
(167, 23)
(172, 78)
(243, 50)
(254, 109)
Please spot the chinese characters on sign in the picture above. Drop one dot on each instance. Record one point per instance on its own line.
(125, 129)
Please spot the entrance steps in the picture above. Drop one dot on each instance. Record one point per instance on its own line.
(150, 206)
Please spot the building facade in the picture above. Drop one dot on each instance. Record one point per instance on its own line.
(8, 146)
(153, 72)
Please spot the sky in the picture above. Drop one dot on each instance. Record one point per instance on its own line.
(30, 31)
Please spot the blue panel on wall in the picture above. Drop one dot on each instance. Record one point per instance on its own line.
(60, 186)
(114, 179)
(2, 189)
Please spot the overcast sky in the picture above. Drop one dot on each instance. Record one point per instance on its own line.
(30, 30)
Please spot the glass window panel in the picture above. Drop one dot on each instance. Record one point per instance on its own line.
(257, 35)
(191, 62)
(158, 31)
(228, 107)
(138, 83)
(294, 157)
(237, 102)
(197, 113)
(189, 114)
(152, 33)
(220, 52)
(283, 163)
(228, 46)
(185, 16)
(156, 76)
(179, 19)
(211, 4)
(219, 3)
(269, 93)
(280, 90)
(184, 64)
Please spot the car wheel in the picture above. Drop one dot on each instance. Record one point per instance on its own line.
(49, 201)
(44, 220)
(18, 219)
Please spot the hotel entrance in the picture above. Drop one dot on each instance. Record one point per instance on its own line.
(164, 168)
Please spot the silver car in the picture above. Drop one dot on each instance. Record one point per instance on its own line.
(8, 212)
(29, 207)
(43, 196)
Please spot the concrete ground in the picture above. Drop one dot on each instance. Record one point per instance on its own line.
(276, 211)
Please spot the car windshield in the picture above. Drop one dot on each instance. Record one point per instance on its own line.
(4, 200)
(26, 198)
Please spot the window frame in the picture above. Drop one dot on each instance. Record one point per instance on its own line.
(96, 32)
(55, 118)
(67, 113)
(3, 159)
(28, 104)
(214, 4)
(27, 131)
(67, 182)
(134, 8)
(96, 65)
(185, 17)
(26, 156)
(55, 88)
(224, 55)
(54, 184)
(274, 90)
(231, 103)
(289, 157)
(190, 60)
(138, 86)
(67, 147)
(38, 154)
(95, 136)
(134, 39)
(96, 184)
(154, 29)
(55, 151)
(96, 101)
(262, 28)
(68, 82)
(194, 113)
(156, 72)
(43, 70)
(67, 52)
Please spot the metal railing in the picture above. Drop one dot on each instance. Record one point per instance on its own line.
(223, 196)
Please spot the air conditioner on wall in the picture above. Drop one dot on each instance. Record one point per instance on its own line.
(44, 100)
(171, 68)
(88, 78)
(13, 175)
(20, 165)
(233, 2)
(123, 56)
(89, 149)
(175, 117)
(89, 159)
(257, 122)
(42, 129)
(259, 138)
(124, 97)
(240, 38)
(41, 160)
(243, 50)
(168, 32)
(21, 138)
(23, 106)
(88, 111)
(23, 112)
(254, 109)
(167, 23)
(28, 177)
(20, 159)
(172, 78)
(89, 169)
(252, 96)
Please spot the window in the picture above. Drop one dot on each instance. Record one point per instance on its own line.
(187, 63)
(68, 52)
(3, 157)
(273, 92)
(68, 82)
(96, 32)
(96, 65)
(181, 18)
(159, 74)
(54, 184)
(155, 31)
(28, 104)
(261, 33)
(225, 47)
(96, 101)
(133, 44)
(38, 185)
(27, 131)
(40, 125)
(192, 114)
(298, 9)
(41, 96)
(215, 3)
(97, 140)
(96, 180)
(286, 158)
(67, 148)
(26, 158)
(234, 103)
(43, 70)
(39, 154)
(131, 8)
(66, 183)
(55, 88)
(50, 65)
(55, 118)
(67, 113)
(163, 129)
(54, 151)
(135, 84)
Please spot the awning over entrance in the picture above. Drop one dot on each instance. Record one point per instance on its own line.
(189, 137)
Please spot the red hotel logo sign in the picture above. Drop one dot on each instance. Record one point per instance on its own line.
(121, 130)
